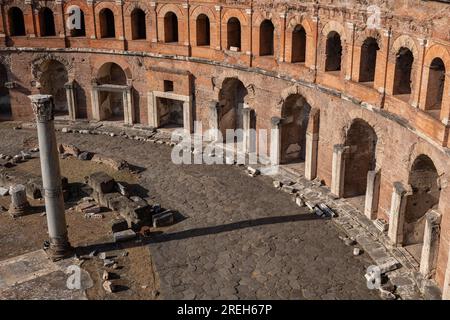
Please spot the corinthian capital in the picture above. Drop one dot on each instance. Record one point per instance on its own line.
(43, 107)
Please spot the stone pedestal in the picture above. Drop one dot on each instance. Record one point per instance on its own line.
(19, 202)
(372, 194)
(338, 170)
(397, 213)
(43, 108)
(430, 243)
(275, 141)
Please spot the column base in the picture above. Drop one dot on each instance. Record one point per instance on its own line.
(58, 249)
(18, 211)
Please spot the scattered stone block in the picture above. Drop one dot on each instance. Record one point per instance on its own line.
(119, 225)
(389, 265)
(108, 262)
(102, 255)
(349, 242)
(68, 149)
(85, 155)
(26, 155)
(122, 188)
(288, 189)
(386, 295)
(116, 164)
(101, 182)
(234, 49)
(253, 172)
(299, 201)
(357, 251)
(327, 210)
(124, 235)
(310, 205)
(105, 275)
(277, 184)
(4, 191)
(163, 219)
(109, 286)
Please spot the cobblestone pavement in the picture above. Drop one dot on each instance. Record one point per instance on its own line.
(240, 238)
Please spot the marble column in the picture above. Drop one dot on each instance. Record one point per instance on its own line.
(43, 108)
(430, 245)
(397, 213)
(338, 170)
(372, 194)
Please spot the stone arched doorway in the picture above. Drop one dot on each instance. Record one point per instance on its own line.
(423, 197)
(231, 105)
(112, 98)
(294, 114)
(52, 81)
(5, 104)
(361, 141)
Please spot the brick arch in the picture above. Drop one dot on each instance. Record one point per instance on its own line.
(39, 61)
(424, 149)
(302, 20)
(21, 5)
(51, 5)
(293, 90)
(368, 33)
(129, 7)
(79, 3)
(438, 51)
(107, 5)
(235, 13)
(218, 84)
(334, 26)
(406, 42)
(121, 63)
(170, 7)
(360, 114)
(201, 9)
(259, 17)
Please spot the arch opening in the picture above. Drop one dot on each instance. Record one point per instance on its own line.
(5, 103)
(266, 37)
(107, 24)
(138, 25)
(295, 115)
(233, 34)
(333, 52)
(435, 88)
(368, 60)
(424, 182)
(170, 27)
(402, 75)
(47, 22)
(360, 158)
(298, 44)
(16, 22)
(53, 78)
(203, 30)
(231, 102)
(111, 102)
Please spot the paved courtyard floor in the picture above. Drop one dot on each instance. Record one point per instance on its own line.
(239, 238)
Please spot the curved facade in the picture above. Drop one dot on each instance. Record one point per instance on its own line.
(360, 94)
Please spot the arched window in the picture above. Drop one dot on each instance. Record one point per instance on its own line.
(266, 38)
(436, 84)
(16, 22)
(107, 26)
(203, 30)
(403, 68)
(368, 60)
(233, 34)
(333, 52)
(47, 22)
(170, 27)
(138, 27)
(79, 29)
(298, 44)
